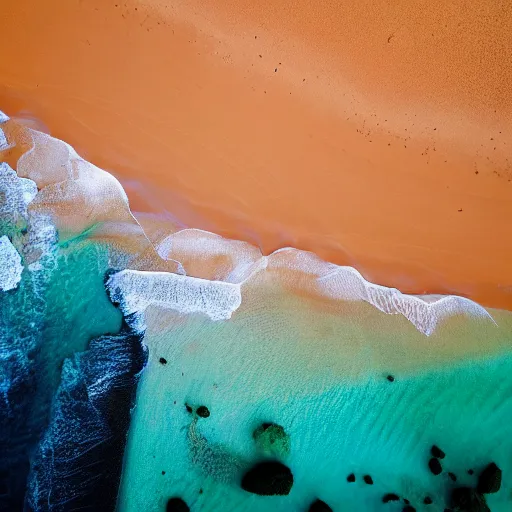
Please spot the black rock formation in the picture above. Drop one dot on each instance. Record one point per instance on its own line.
(390, 497)
(319, 506)
(269, 478)
(202, 411)
(368, 479)
(437, 452)
(489, 480)
(466, 499)
(176, 505)
(435, 466)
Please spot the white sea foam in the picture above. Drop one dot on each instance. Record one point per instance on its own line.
(10, 265)
(16, 194)
(136, 290)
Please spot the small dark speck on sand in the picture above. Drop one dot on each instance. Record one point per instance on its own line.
(163, 472)
(200, 491)
(351, 478)
(459, 210)
(368, 479)
(390, 378)
(189, 409)
(162, 360)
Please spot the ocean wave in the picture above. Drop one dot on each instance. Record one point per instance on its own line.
(83, 200)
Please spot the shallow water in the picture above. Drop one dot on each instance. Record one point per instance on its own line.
(118, 323)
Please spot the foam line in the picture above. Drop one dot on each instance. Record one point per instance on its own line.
(136, 290)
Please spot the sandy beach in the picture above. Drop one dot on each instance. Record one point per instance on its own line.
(375, 136)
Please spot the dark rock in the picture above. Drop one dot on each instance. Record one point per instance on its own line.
(162, 360)
(437, 452)
(189, 409)
(427, 500)
(408, 508)
(269, 478)
(176, 505)
(368, 479)
(319, 506)
(489, 480)
(435, 466)
(390, 378)
(465, 499)
(351, 478)
(470, 472)
(406, 501)
(202, 411)
(453, 476)
(390, 497)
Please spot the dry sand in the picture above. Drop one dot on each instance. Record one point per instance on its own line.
(377, 134)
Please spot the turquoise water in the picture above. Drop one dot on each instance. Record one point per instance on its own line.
(343, 416)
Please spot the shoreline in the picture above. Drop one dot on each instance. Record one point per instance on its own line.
(280, 169)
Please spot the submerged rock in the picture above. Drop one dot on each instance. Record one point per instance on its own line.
(368, 479)
(176, 505)
(272, 440)
(453, 476)
(351, 478)
(269, 478)
(466, 499)
(437, 452)
(319, 506)
(390, 497)
(435, 466)
(202, 411)
(489, 480)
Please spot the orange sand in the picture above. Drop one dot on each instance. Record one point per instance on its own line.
(376, 136)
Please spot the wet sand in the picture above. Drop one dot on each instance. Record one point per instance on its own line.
(375, 137)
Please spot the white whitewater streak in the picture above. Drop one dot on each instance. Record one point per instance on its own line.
(3, 117)
(135, 290)
(10, 265)
(17, 193)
